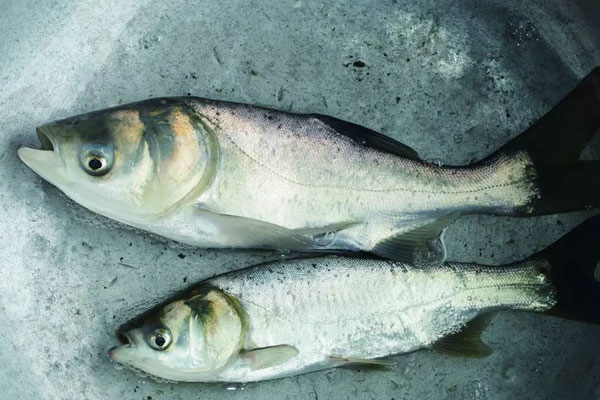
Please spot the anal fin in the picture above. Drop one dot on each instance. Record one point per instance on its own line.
(423, 245)
(467, 342)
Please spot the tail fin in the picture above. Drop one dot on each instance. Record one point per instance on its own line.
(573, 260)
(554, 144)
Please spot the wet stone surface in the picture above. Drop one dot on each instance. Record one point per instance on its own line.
(454, 80)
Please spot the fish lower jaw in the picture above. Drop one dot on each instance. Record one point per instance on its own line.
(141, 373)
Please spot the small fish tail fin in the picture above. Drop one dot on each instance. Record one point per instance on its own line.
(574, 263)
(560, 181)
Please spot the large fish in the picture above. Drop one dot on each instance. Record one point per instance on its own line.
(225, 175)
(290, 317)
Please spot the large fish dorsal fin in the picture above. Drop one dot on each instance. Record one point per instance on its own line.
(423, 245)
(467, 342)
(368, 137)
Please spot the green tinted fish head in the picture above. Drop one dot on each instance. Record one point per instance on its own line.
(136, 160)
(184, 340)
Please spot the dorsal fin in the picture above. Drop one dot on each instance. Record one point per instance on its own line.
(368, 137)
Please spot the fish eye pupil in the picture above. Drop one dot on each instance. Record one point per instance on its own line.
(95, 164)
(160, 341)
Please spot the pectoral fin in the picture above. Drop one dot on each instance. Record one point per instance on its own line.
(252, 233)
(467, 342)
(266, 357)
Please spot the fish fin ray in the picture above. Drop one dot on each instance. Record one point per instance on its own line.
(333, 228)
(554, 145)
(266, 357)
(254, 233)
(574, 270)
(368, 137)
(467, 342)
(362, 363)
(423, 245)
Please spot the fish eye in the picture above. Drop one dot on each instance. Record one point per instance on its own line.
(159, 339)
(96, 162)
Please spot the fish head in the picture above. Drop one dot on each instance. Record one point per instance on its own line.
(188, 340)
(140, 159)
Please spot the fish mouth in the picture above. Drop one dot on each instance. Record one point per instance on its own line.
(45, 161)
(124, 338)
(45, 141)
(126, 342)
(124, 355)
(113, 353)
(118, 355)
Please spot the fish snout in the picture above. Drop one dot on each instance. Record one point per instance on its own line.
(45, 161)
(126, 342)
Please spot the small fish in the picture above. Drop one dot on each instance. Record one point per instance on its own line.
(224, 175)
(290, 317)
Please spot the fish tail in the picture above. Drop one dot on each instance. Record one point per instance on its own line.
(548, 154)
(573, 261)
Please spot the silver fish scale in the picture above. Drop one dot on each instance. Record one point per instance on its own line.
(370, 308)
(297, 172)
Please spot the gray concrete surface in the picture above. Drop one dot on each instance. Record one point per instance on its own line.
(453, 79)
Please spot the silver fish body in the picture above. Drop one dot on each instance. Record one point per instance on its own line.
(299, 173)
(224, 175)
(325, 312)
(355, 309)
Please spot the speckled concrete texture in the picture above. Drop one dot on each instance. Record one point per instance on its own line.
(453, 79)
